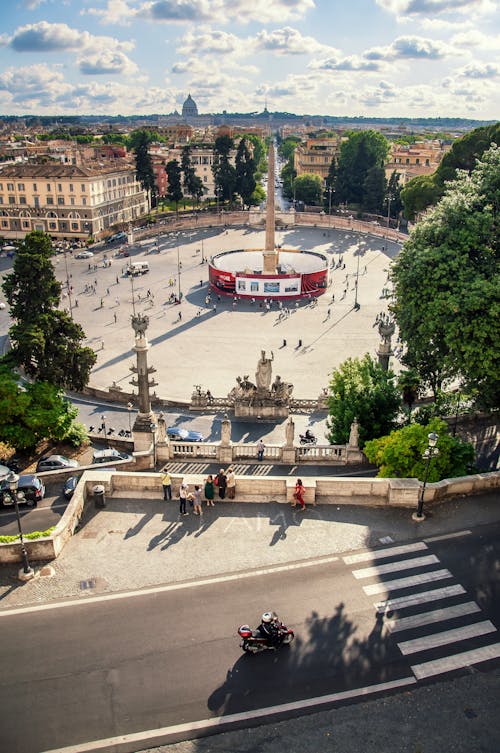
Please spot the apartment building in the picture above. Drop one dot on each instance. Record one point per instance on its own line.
(410, 160)
(202, 156)
(315, 156)
(69, 201)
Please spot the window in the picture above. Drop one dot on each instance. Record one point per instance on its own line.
(12, 199)
(52, 225)
(35, 187)
(427, 162)
(50, 199)
(59, 186)
(1, 199)
(5, 223)
(20, 186)
(22, 199)
(72, 199)
(48, 187)
(71, 187)
(74, 225)
(26, 223)
(60, 200)
(83, 187)
(10, 186)
(84, 200)
(1, 186)
(417, 161)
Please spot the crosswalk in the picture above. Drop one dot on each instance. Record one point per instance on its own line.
(240, 469)
(435, 624)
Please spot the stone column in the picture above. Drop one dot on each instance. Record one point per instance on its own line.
(288, 452)
(141, 431)
(163, 449)
(269, 253)
(353, 453)
(386, 330)
(225, 448)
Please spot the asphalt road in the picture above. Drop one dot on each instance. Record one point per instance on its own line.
(167, 657)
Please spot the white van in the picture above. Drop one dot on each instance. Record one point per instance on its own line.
(137, 268)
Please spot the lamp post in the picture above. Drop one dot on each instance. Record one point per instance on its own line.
(429, 453)
(68, 286)
(179, 274)
(153, 428)
(202, 253)
(103, 423)
(13, 481)
(130, 408)
(356, 304)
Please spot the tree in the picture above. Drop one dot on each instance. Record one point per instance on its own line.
(400, 454)
(392, 202)
(419, 194)
(223, 171)
(374, 189)
(245, 169)
(409, 384)
(45, 341)
(191, 182)
(31, 413)
(174, 184)
(329, 196)
(361, 389)
(140, 141)
(446, 287)
(308, 188)
(361, 151)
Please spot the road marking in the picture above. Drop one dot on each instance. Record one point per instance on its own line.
(413, 580)
(351, 559)
(445, 536)
(164, 589)
(457, 661)
(446, 637)
(164, 734)
(421, 598)
(391, 567)
(436, 615)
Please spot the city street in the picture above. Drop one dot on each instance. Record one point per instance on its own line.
(168, 657)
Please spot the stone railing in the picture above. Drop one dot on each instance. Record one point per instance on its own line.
(246, 450)
(318, 453)
(234, 452)
(325, 490)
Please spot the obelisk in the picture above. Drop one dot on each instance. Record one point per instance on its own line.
(269, 253)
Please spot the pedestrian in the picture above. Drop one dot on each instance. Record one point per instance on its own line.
(328, 314)
(197, 501)
(209, 491)
(166, 483)
(117, 280)
(76, 303)
(298, 494)
(102, 303)
(183, 493)
(107, 291)
(221, 483)
(230, 483)
(214, 308)
(180, 315)
(117, 301)
(115, 317)
(260, 449)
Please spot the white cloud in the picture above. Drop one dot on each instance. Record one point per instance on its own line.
(210, 41)
(474, 39)
(106, 62)
(480, 70)
(46, 37)
(223, 11)
(33, 85)
(410, 48)
(288, 41)
(428, 8)
(350, 63)
(116, 13)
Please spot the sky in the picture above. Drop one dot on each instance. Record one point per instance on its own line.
(374, 58)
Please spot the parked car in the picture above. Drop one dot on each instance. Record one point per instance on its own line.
(183, 435)
(117, 237)
(70, 486)
(30, 490)
(109, 456)
(53, 462)
(4, 470)
(84, 255)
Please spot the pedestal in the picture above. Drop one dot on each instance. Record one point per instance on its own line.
(288, 455)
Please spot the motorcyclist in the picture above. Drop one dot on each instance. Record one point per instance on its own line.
(269, 628)
(309, 434)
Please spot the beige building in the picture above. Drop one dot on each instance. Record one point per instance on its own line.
(315, 156)
(202, 157)
(69, 201)
(410, 160)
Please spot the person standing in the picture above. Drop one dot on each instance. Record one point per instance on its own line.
(209, 491)
(183, 493)
(299, 494)
(221, 483)
(166, 483)
(260, 449)
(197, 501)
(230, 483)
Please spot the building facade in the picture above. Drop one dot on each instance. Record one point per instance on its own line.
(315, 156)
(411, 160)
(69, 201)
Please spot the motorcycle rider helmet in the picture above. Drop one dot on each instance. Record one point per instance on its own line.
(267, 617)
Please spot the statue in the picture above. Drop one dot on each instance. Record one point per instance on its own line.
(245, 389)
(161, 435)
(140, 323)
(281, 391)
(289, 432)
(354, 434)
(264, 372)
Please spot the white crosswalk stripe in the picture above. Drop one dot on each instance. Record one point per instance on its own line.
(394, 567)
(442, 631)
(413, 580)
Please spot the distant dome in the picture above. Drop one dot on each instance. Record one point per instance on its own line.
(189, 108)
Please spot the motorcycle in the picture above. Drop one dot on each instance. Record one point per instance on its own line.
(253, 642)
(307, 438)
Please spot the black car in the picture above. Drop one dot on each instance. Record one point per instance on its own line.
(70, 486)
(30, 490)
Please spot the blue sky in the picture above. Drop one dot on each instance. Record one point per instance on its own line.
(384, 58)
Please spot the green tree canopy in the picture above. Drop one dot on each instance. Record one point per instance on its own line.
(401, 453)
(361, 389)
(140, 141)
(446, 286)
(174, 182)
(223, 171)
(361, 151)
(374, 189)
(46, 342)
(32, 413)
(308, 188)
(245, 169)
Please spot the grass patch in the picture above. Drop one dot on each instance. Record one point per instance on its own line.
(26, 536)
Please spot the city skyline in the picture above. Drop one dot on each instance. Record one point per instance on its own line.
(378, 58)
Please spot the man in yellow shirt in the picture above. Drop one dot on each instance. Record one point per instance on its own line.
(167, 486)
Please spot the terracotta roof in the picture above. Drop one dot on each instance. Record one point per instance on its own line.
(52, 170)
